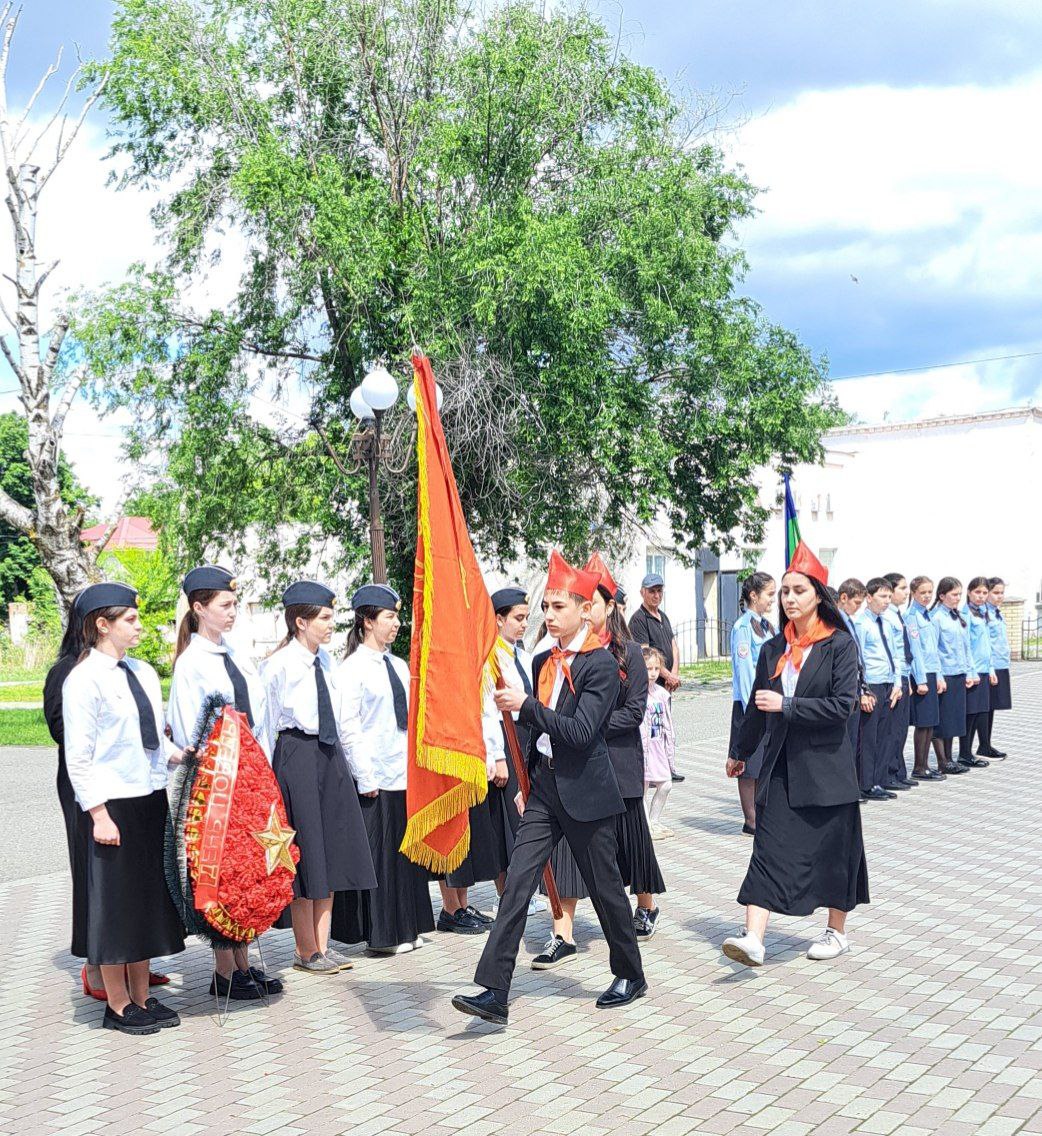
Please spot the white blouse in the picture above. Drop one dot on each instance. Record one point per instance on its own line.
(790, 675)
(292, 703)
(200, 672)
(369, 721)
(103, 750)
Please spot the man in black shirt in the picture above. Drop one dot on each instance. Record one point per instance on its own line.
(650, 626)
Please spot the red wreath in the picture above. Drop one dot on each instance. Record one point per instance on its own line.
(238, 856)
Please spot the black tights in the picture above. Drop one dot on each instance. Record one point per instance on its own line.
(943, 748)
(985, 730)
(975, 724)
(921, 747)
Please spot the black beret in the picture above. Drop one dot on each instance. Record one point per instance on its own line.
(506, 598)
(209, 578)
(376, 595)
(98, 596)
(310, 593)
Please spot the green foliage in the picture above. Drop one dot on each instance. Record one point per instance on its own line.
(24, 728)
(19, 560)
(157, 580)
(508, 191)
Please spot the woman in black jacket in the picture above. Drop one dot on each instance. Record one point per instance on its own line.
(638, 864)
(808, 850)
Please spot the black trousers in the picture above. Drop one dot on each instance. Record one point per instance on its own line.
(874, 727)
(897, 735)
(595, 848)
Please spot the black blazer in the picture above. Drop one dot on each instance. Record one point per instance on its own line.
(812, 726)
(585, 779)
(623, 734)
(52, 701)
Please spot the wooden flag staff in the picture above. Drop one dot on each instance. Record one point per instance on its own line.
(525, 785)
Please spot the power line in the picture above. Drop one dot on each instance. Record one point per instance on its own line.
(936, 366)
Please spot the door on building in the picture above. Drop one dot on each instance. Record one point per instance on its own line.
(727, 612)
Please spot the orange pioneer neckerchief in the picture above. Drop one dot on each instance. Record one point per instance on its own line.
(816, 631)
(559, 657)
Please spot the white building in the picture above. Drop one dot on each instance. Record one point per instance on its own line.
(939, 497)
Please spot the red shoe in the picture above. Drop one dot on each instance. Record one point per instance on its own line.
(157, 979)
(99, 994)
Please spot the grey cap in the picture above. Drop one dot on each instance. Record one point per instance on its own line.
(653, 580)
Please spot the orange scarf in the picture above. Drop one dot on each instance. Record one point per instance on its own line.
(559, 658)
(816, 631)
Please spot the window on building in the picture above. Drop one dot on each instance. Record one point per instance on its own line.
(827, 556)
(655, 561)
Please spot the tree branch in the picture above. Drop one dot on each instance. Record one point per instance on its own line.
(71, 389)
(13, 363)
(14, 514)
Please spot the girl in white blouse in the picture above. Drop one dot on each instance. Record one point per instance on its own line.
(117, 759)
(375, 687)
(205, 663)
(319, 773)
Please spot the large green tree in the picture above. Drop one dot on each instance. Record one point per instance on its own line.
(505, 189)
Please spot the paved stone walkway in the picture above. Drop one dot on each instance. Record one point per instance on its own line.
(933, 1024)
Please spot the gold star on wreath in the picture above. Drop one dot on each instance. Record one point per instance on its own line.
(275, 840)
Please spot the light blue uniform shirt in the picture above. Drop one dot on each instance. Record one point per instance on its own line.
(922, 634)
(953, 642)
(980, 640)
(745, 651)
(1000, 650)
(893, 621)
(874, 638)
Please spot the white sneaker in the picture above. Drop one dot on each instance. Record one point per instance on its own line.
(400, 949)
(420, 942)
(536, 904)
(745, 948)
(830, 945)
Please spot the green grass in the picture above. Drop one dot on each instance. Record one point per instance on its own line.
(707, 670)
(33, 691)
(23, 728)
(22, 674)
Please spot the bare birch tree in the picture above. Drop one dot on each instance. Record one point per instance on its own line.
(32, 150)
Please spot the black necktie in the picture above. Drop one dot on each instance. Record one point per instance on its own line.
(765, 627)
(886, 645)
(401, 706)
(239, 687)
(145, 711)
(327, 732)
(526, 682)
(908, 645)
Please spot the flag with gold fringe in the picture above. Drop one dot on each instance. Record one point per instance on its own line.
(452, 661)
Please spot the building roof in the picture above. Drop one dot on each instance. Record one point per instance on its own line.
(130, 532)
(1013, 412)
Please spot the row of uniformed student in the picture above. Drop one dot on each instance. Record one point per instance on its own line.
(909, 671)
(850, 598)
(207, 663)
(750, 631)
(117, 758)
(930, 683)
(393, 916)
(978, 699)
(953, 648)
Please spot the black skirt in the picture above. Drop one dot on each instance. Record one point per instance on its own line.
(978, 698)
(130, 916)
(322, 804)
(1002, 695)
(399, 910)
(737, 714)
(569, 880)
(951, 716)
(488, 855)
(79, 838)
(926, 708)
(804, 858)
(638, 864)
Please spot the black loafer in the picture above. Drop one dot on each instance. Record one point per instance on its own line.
(480, 916)
(677, 776)
(270, 985)
(908, 783)
(954, 768)
(994, 753)
(244, 986)
(460, 922)
(134, 1020)
(485, 1006)
(896, 786)
(974, 763)
(621, 992)
(165, 1017)
(876, 794)
(928, 775)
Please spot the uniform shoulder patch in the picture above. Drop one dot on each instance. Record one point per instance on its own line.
(743, 650)
(914, 632)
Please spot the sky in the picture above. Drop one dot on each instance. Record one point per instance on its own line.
(899, 227)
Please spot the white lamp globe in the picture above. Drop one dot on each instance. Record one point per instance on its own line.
(359, 407)
(379, 389)
(410, 396)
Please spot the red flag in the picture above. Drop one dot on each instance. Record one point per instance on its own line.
(454, 633)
